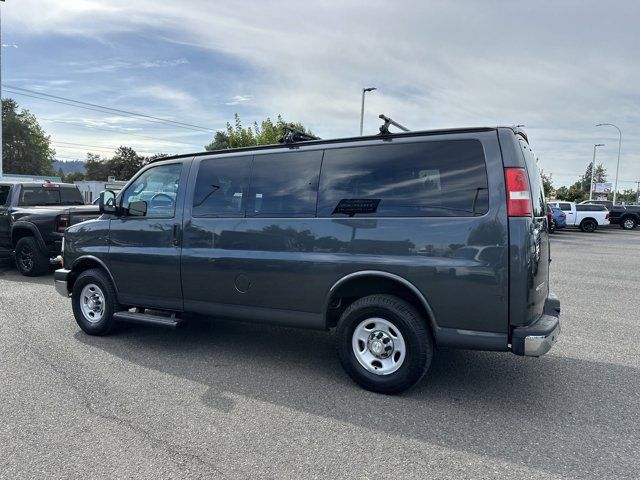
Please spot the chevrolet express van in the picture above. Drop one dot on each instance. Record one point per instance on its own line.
(401, 243)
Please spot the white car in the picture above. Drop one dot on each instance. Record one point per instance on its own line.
(587, 217)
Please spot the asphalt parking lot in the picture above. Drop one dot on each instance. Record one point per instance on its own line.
(216, 399)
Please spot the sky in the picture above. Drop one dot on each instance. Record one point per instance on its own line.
(556, 67)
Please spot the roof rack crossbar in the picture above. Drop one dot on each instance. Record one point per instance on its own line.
(384, 128)
(293, 135)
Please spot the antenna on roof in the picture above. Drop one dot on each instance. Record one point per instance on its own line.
(293, 135)
(384, 128)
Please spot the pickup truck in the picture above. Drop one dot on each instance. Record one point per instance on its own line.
(627, 216)
(586, 217)
(33, 218)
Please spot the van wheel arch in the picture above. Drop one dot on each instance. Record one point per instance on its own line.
(361, 284)
(87, 263)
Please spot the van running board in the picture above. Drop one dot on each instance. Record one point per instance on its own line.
(147, 318)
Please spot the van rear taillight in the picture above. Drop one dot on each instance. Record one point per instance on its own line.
(61, 223)
(518, 193)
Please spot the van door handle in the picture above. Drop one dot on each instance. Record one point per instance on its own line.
(176, 234)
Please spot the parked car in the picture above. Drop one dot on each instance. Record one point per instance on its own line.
(586, 217)
(557, 218)
(33, 217)
(380, 244)
(627, 216)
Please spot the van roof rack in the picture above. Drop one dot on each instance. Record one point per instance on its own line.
(384, 128)
(293, 135)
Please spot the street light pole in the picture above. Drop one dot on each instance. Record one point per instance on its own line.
(615, 188)
(593, 168)
(364, 90)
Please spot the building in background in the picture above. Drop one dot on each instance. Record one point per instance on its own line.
(10, 177)
(91, 189)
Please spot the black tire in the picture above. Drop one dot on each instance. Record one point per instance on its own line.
(413, 331)
(588, 225)
(30, 260)
(103, 288)
(628, 223)
(552, 226)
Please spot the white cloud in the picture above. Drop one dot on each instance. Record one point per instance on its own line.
(238, 99)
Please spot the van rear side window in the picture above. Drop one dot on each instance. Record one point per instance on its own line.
(428, 179)
(284, 184)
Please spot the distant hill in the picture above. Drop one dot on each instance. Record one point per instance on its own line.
(75, 166)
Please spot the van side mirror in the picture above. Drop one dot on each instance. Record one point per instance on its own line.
(138, 208)
(107, 203)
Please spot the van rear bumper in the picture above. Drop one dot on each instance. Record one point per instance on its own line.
(537, 338)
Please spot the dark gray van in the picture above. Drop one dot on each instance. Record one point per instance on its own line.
(401, 242)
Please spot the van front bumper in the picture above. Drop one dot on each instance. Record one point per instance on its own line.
(537, 338)
(60, 278)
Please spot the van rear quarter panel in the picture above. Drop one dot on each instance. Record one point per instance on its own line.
(460, 264)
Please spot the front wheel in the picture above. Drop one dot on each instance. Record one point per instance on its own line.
(588, 226)
(94, 302)
(384, 344)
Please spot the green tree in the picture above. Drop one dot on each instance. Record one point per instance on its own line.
(599, 176)
(220, 142)
(627, 196)
(125, 163)
(547, 184)
(97, 167)
(574, 193)
(73, 177)
(26, 148)
(264, 133)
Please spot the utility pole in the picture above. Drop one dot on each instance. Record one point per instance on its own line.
(638, 192)
(364, 90)
(593, 167)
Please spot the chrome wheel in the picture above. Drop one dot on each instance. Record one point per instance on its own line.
(92, 303)
(629, 223)
(379, 346)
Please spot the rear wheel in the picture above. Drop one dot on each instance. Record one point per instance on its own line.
(588, 225)
(552, 226)
(628, 223)
(384, 344)
(94, 302)
(30, 261)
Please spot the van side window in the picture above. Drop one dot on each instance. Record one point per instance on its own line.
(221, 187)
(284, 184)
(158, 187)
(431, 179)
